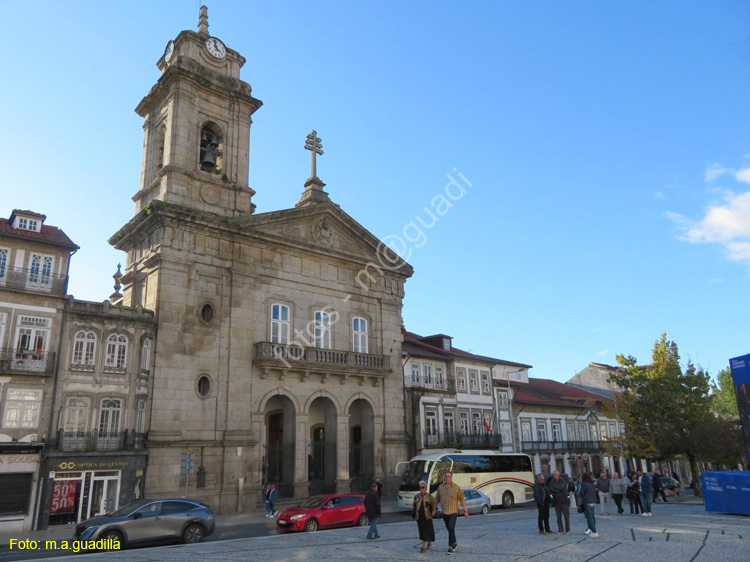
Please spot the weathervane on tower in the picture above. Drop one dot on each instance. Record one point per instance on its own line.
(314, 145)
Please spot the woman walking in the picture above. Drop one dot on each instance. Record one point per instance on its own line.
(587, 491)
(422, 507)
(634, 495)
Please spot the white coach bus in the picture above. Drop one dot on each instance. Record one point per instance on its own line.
(507, 478)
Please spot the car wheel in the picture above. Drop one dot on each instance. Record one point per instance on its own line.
(508, 500)
(311, 526)
(363, 521)
(485, 509)
(113, 536)
(193, 533)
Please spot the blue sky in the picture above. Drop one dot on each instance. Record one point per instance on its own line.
(606, 143)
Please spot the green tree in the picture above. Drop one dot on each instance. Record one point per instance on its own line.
(667, 411)
(725, 400)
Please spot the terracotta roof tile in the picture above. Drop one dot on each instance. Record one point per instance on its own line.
(47, 234)
(549, 392)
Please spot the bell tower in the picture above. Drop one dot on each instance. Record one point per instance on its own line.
(197, 128)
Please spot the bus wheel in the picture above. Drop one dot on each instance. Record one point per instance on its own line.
(507, 500)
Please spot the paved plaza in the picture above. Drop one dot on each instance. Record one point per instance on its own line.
(682, 532)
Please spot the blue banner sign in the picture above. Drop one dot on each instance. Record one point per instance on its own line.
(740, 369)
(727, 492)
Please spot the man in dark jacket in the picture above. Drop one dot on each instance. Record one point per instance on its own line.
(657, 486)
(558, 489)
(542, 499)
(372, 510)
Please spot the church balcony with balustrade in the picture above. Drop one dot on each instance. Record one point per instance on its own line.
(274, 356)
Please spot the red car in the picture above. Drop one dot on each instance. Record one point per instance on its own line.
(324, 512)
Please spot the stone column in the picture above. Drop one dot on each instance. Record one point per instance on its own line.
(566, 462)
(537, 464)
(301, 450)
(342, 454)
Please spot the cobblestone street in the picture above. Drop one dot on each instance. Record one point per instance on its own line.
(676, 532)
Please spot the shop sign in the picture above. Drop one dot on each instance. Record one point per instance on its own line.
(90, 465)
(64, 496)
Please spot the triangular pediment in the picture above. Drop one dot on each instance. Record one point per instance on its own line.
(327, 230)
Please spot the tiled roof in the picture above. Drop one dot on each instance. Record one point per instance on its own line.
(553, 393)
(31, 214)
(47, 234)
(417, 343)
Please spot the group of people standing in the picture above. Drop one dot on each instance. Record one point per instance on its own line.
(563, 494)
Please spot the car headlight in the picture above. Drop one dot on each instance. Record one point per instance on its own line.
(295, 517)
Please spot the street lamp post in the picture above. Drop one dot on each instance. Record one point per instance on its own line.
(510, 407)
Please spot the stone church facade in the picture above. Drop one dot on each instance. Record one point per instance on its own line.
(278, 335)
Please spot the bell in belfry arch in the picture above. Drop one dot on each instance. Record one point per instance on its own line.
(209, 150)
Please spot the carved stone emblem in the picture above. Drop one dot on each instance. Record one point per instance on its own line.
(323, 232)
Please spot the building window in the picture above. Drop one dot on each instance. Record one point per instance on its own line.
(76, 415)
(613, 430)
(571, 431)
(474, 385)
(207, 313)
(31, 339)
(322, 330)
(428, 375)
(146, 356)
(109, 417)
(556, 432)
(541, 432)
(431, 427)
(117, 348)
(594, 432)
(204, 386)
(446, 344)
(505, 433)
(464, 423)
(359, 335)
(23, 224)
(603, 431)
(22, 408)
(280, 325)
(476, 423)
(40, 272)
(502, 400)
(438, 377)
(140, 417)
(84, 348)
(415, 373)
(582, 432)
(526, 431)
(485, 383)
(3, 263)
(450, 424)
(461, 381)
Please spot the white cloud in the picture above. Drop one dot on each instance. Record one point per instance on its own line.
(716, 280)
(596, 330)
(603, 352)
(743, 175)
(714, 171)
(659, 195)
(726, 223)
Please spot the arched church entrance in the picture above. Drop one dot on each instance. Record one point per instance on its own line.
(321, 468)
(361, 445)
(278, 461)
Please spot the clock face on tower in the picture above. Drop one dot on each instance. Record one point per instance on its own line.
(168, 51)
(216, 48)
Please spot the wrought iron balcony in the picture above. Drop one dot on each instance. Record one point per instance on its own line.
(445, 440)
(100, 440)
(570, 446)
(33, 280)
(25, 361)
(276, 355)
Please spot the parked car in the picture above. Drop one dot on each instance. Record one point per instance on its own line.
(476, 502)
(324, 512)
(189, 521)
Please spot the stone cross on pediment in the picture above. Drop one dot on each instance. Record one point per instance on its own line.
(314, 145)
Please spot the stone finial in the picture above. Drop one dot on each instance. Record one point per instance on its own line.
(313, 186)
(116, 298)
(203, 21)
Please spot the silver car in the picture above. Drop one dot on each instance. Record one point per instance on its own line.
(179, 519)
(476, 502)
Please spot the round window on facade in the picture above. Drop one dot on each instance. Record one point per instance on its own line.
(204, 386)
(207, 313)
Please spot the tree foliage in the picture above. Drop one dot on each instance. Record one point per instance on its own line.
(725, 400)
(667, 411)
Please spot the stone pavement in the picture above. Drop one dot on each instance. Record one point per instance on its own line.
(676, 532)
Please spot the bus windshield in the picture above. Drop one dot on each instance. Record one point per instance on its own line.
(415, 471)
